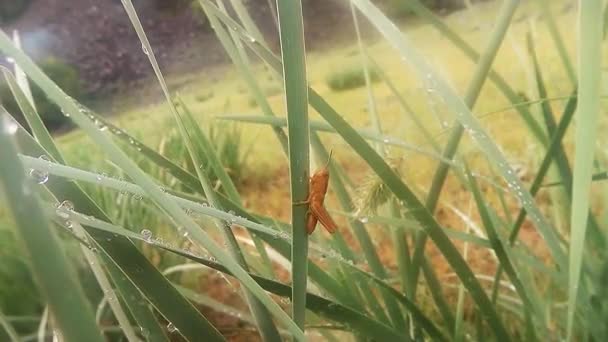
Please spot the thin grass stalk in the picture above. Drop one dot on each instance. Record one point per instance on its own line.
(48, 262)
(589, 65)
(291, 30)
(472, 93)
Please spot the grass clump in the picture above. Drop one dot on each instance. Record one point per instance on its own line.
(350, 78)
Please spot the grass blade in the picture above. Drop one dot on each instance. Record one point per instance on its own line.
(590, 62)
(291, 31)
(49, 264)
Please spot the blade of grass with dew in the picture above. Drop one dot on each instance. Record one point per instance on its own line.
(524, 288)
(48, 262)
(131, 296)
(185, 177)
(223, 177)
(291, 32)
(258, 309)
(31, 116)
(471, 96)
(8, 328)
(396, 185)
(590, 62)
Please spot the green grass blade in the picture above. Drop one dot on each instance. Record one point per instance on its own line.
(502, 253)
(472, 93)
(39, 131)
(291, 31)
(590, 62)
(72, 314)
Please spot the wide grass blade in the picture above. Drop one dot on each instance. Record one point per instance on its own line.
(291, 30)
(589, 66)
(72, 313)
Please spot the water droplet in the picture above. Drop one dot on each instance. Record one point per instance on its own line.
(146, 234)
(171, 328)
(144, 332)
(39, 176)
(144, 49)
(363, 219)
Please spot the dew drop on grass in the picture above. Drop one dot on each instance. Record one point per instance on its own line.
(363, 219)
(39, 176)
(64, 206)
(144, 49)
(144, 332)
(171, 328)
(147, 235)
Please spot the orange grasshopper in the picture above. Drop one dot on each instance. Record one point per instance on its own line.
(316, 195)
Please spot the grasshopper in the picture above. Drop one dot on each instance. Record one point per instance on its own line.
(318, 184)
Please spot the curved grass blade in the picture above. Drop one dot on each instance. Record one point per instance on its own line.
(590, 61)
(49, 264)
